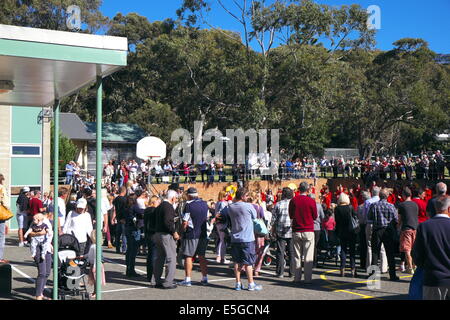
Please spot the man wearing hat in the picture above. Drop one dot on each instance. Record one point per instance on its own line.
(79, 223)
(195, 240)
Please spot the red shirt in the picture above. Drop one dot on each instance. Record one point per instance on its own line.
(303, 212)
(429, 195)
(327, 199)
(35, 205)
(263, 197)
(329, 224)
(354, 202)
(391, 199)
(422, 209)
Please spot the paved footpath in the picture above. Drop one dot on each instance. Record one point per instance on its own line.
(327, 285)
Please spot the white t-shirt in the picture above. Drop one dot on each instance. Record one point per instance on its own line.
(79, 224)
(106, 205)
(141, 203)
(61, 210)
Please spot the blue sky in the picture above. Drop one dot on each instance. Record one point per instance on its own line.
(429, 20)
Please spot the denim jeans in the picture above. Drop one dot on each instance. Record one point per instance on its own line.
(44, 268)
(69, 179)
(2, 239)
(120, 237)
(348, 246)
(151, 257)
(132, 249)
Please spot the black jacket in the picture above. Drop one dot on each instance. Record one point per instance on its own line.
(164, 218)
(342, 217)
(149, 222)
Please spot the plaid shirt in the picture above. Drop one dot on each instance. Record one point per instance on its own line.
(281, 220)
(382, 213)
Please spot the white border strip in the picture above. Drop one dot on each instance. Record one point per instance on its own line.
(63, 38)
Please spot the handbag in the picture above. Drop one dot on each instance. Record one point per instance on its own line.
(260, 228)
(5, 213)
(354, 224)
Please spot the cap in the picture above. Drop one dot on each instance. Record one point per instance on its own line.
(292, 186)
(192, 191)
(26, 189)
(81, 203)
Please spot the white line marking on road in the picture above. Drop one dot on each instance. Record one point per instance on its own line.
(217, 280)
(119, 264)
(126, 289)
(23, 274)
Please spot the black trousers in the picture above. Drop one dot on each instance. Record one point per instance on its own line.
(384, 236)
(362, 246)
(282, 245)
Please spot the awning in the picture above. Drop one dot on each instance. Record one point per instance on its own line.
(38, 68)
(42, 66)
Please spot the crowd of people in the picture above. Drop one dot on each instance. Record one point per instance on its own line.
(132, 174)
(302, 225)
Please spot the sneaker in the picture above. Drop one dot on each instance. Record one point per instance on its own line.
(185, 283)
(409, 271)
(401, 268)
(238, 287)
(21, 244)
(254, 287)
(204, 282)
(226, 261)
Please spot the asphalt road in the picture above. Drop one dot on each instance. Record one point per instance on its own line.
(327, 285)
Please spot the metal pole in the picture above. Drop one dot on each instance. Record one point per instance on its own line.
(98, 185)
(55, 199)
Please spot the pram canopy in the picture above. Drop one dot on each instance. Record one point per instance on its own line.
(69, 242)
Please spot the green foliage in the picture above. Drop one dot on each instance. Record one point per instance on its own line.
(324, 86)
(67, 149)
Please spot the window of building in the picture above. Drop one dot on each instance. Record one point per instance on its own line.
(25, 151)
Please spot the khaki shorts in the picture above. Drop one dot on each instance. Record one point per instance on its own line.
(407, 239)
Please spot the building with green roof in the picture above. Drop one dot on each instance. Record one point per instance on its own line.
(119, 139)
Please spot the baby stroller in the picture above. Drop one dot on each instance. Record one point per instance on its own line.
(327, 247)
(270, 252)
(72, 268)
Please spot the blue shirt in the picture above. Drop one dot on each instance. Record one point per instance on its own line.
(241, 215)
(70, 168)
(196, 214)
(367, 205)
